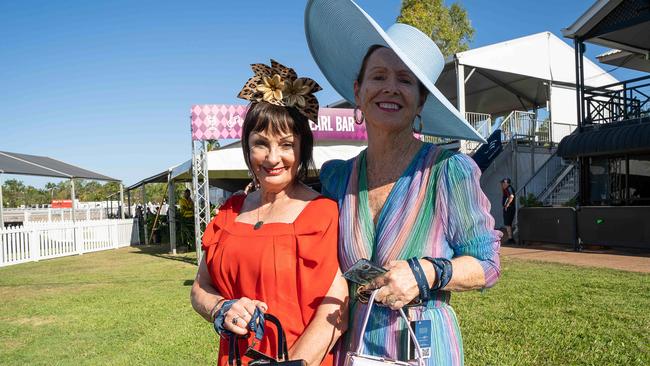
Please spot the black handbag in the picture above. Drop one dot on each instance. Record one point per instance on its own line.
(260, 358)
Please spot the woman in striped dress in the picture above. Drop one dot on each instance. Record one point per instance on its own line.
(411, 207)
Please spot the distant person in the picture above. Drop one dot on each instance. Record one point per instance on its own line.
(186, 219)
(187, 205)
(509, 207)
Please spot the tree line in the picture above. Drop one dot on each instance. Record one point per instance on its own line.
(15, 193)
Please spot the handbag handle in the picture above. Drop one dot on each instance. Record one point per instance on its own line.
(234, 357)
(283, 350)
(371, 301)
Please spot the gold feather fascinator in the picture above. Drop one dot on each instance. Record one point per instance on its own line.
(280, 85)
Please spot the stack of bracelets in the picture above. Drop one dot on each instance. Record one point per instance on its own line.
(443, 269)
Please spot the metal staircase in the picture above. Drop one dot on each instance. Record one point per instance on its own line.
(564, 188)
(554, 183)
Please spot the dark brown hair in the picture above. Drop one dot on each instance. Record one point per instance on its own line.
(421, 88)
(277, 120)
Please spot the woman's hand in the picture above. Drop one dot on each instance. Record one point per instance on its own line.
(240, 313)
(398, 286)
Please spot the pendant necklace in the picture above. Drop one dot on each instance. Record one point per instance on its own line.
(259, 222)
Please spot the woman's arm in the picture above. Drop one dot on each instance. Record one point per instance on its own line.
(398, 285)
(329, 322)
(470, 227)
(469, 230)
(204, 296)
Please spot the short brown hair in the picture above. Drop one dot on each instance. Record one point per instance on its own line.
(276, 120)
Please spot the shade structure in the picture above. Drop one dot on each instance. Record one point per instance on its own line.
(24, 164)
(614, 139)
(514, 74)
(156, 178)
(618, 24)
(625, 59)
(227, 168)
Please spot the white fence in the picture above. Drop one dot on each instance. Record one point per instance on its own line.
(23, 215)
(45, 240)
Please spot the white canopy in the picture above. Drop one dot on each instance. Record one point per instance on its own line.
(228, 161)
(516, 74)
(542, 55)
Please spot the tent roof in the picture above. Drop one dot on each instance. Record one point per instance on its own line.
(156, 178)
(542, 55)
(619, 24)
(175, 171)
(23, 164)
(228, 162)
(514, 74)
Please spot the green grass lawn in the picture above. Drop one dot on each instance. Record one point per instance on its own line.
(131, 306)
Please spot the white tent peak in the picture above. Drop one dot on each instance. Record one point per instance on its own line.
(542, 55)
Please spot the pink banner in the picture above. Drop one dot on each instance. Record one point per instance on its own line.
(220, 121)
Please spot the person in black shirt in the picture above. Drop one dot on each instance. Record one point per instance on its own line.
(509, 209)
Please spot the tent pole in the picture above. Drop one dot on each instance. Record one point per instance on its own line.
(121, 201)
(460, 87)
(72, 194)
(171, 213)
(144, 216)
(2, 219)
(460, 97)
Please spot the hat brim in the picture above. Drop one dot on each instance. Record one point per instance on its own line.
(339, 34)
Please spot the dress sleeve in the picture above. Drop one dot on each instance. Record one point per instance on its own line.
(333, 178)
(317, 237)
(470, 226)
(212, 231)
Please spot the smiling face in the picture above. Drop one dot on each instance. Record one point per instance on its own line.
(388, 93)
(267, 133)
(274, 159)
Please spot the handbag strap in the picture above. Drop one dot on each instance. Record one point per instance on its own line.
(233, 352)
(234, 357)
(283, 350)
(371, 301)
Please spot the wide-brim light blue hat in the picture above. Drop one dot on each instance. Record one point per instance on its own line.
(339, 34)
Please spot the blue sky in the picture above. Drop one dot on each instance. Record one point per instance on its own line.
(107, 85)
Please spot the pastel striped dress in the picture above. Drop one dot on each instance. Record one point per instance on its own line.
(436, 208)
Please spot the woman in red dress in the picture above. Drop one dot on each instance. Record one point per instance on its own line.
(275, 249)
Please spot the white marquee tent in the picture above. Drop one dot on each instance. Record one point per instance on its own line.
(523, 73)
(227, 163)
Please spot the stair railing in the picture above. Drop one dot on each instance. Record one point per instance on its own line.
(567, 181)
(542, 178)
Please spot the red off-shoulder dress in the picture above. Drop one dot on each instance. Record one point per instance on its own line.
(289, 266)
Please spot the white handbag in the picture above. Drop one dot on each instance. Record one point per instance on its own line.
(357, 358)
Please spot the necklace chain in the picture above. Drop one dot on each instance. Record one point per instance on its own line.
(259, 222)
